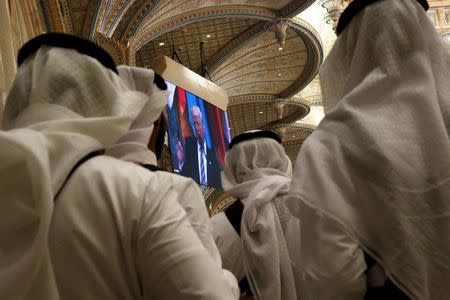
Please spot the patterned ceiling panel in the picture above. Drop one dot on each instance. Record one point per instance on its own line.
(214, 33)
(243, 57)
(260, 67)
(83, 13)
(249, 116)
(187, 15)
(294, 133)
(312, 93)
(125, 19)
(166, 9)
(294, 138)
(128, 22)
(107, 10)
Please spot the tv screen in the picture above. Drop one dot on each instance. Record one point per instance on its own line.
(199, 135)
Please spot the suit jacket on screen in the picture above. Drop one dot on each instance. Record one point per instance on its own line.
(191, 168)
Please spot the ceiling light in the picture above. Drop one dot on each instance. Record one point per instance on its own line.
(279, 74)
(161, 44)
(260, 112)
(280, 49)
(208, 35)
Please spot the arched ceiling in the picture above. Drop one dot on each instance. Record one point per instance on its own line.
(187, 40)
(295, 135)
(142, 20)
(240, 52)
(262, 114)
(268, 88)
(260, 67)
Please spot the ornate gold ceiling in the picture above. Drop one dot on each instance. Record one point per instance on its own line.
(240, 52)
(186, 39)
(268, 88)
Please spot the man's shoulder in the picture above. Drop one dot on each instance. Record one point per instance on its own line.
(117, 174)
(190, 140)
(176, 181)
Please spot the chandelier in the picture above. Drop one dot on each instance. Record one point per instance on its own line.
(334, 10)
(279, 27)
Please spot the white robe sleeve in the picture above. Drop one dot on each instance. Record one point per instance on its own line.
(330, 263)
(193, 203)
(171, 260)
(229, 244)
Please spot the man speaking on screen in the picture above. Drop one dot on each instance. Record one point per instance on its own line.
(201, 163)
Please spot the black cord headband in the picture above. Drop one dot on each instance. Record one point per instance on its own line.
(62, 40)
(254, 135)
(356, 6)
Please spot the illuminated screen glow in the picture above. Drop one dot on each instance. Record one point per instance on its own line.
(199, 135)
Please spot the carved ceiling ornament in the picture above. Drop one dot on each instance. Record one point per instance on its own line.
(107, 11)
(219, 203)
(57, 15)
(227, 66)
(279, 27)
(334, 10)
(120, 53)
(128, 22)
(264, 115)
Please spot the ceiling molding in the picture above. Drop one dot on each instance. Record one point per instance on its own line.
(295, 7)
(314, 47)
(66, 15)
(201, 14)
(88, 29)
(57, 15)
(304, 31)
(219, 202)
(46, 15)
(115, 16)
(130, 20)
(301, 112)
(263, 98)
(234, 45)
(106, 10)
(298, 126)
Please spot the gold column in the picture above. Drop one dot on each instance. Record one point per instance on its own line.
(7, 54)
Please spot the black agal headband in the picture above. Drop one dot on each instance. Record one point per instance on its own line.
(356, 6)
(254, 135)
(62, 40)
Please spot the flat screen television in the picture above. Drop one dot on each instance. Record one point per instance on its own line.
(198, 128)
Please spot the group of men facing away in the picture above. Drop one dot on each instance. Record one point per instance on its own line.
(364, 214)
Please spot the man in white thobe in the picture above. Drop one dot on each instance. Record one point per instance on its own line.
(371, 185)
(100, 229)
(255, 233)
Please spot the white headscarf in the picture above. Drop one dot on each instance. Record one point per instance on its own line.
(67, 105)
(132, 146)
(257, 172)
(379, 162)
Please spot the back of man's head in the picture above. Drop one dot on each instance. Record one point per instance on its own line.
(69, 72)
(256, 152)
